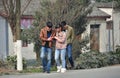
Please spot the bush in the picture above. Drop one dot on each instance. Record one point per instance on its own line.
(96, 59)
(12, 62)
(113, 58)
(3, 64)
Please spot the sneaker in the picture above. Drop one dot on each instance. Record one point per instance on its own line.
(58, 69)
(43, 71)
(48, 72)
(63, 70)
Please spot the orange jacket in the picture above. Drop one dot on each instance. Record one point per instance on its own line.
(43, 36)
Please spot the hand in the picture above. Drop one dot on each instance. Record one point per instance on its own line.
(49, 39)
(56, 37)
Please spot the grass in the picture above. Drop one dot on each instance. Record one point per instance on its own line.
(36, 70)
(25, 71)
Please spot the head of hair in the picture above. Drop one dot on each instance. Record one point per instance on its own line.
(58, 26)
(49, 24)
(63, 23)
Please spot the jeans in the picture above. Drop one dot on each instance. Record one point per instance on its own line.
(62, 54)
(69, 54)
(46, 54)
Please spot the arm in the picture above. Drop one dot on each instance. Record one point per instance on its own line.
(72, 35)
(53, 33)
(42, 36)
(62, 39)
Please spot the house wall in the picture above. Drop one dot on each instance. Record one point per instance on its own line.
(115, 16)
(109, 45)
(28, 52)
(116, 25)
(3, 38)
(103, 35)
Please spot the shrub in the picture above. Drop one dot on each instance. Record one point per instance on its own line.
(12, 62)
(3, 64)
(113, 58)
(96, 59)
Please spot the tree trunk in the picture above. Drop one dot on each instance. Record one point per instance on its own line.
(38, 56)
(18, 17)
(14, 19)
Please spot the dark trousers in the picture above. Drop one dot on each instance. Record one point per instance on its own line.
(69, 54)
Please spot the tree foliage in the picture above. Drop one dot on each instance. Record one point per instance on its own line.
(104, 0)
(72, 11)
(115, 3)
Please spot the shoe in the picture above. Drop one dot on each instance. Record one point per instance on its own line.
(58, 69)
(72, 68)
(63, 70)
(48, 72)
(43, 71)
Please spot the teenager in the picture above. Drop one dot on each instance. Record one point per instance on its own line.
(46, 35)
(60, 49)
(69, 36)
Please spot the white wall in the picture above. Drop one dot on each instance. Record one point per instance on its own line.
(103, 37)
(115, 16)
(28, 53)
(116, 25)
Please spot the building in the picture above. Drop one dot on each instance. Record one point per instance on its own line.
(103, 27)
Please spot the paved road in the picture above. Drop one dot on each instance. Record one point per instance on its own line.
(106, 72)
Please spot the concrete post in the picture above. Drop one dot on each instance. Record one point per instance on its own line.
(19, 56)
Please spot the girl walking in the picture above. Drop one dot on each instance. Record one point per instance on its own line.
(60, 48)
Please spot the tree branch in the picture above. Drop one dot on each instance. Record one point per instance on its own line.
(5, 6)
(26, 7)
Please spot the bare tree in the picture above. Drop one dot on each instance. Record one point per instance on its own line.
(13, 9)
(72, 11)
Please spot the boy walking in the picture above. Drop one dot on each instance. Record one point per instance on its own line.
(46, 50)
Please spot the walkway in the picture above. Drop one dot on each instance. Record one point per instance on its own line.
(106, 72)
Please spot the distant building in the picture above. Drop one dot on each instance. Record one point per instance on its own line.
(103, 27)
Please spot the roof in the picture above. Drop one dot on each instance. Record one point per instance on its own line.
(96, 12)
(103, 5)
